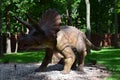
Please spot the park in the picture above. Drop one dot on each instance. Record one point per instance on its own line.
(41, 40)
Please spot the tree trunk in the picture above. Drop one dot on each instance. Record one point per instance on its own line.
(88, 20)
(16, 47)
(16, 38)
(69, 12)
(69, 19)
(1, 47)
(8, 43)
(8, 40)
(116, 27)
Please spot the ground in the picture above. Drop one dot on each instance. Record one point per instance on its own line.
(15, 71)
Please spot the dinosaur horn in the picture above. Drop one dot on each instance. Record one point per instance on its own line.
(24, 23)
(34, 22)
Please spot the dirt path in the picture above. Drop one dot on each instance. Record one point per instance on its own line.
(26, 72)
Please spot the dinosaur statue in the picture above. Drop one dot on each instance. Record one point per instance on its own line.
(47, 33)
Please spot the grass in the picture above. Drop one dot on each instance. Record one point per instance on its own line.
(109, 57)
(23, 57)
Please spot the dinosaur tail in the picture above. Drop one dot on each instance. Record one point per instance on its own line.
(92, 46)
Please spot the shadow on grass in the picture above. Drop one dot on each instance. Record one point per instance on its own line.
(23, 57)
(109, 58)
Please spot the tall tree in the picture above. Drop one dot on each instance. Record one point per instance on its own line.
(88, 21)
(116, 26)
(1, 47)
(8, 38)
(16, 37)
(88, 18)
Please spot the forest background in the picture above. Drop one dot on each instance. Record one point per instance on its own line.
(104, 19)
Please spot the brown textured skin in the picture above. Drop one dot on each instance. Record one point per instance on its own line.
(68, 38)
(48, 34)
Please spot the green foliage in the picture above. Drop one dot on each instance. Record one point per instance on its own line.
(16, 8)
(75, 6)
(110, 58)
(118, 6)
(102, 16)
(102, 12)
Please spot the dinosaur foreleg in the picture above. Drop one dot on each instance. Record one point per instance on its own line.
(47, 59)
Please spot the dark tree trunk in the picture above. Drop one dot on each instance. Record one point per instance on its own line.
(116, 27)
(8, 38)
(118, 17)
(1, 47)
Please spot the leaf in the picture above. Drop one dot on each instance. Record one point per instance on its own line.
(16, 1)
(18, 5)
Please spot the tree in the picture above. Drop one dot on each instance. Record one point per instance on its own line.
(8, 40)
(88, 21)
(102, 17)
(16, 37)
(116, 26)
(72, 12)
(69, 12)
(1, 47)
(88, 18)
(12, 8)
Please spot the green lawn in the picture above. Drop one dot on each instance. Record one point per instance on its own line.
(109, 57)
(23, 57)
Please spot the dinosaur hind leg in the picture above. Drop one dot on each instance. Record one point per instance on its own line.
(69, 59)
